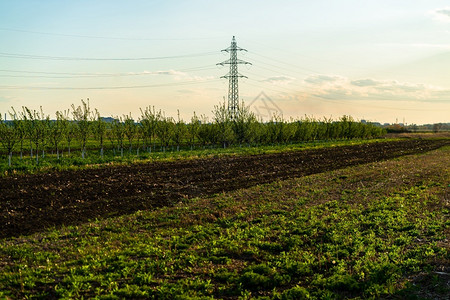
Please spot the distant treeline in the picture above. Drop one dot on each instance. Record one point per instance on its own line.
(437, 127)
(33, 130)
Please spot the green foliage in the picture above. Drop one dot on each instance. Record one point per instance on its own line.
(130, 130)
(82, 118)
(179, 132)
(34, 131)
(38, 129)
(149, 121)
(223, 133)
(99, 130)
(165, 128)
(118, 132)
(8, 136)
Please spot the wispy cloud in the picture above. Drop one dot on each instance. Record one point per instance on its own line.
(341, 88)
(6, 99)
(178, 75)
(364, 82)
(441, 14)
(167, 72)
(279, 80)
(324, 79)
(186, 91)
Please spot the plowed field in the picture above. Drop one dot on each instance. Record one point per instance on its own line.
(31, 203)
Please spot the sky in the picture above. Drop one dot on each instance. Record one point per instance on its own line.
(382, 61)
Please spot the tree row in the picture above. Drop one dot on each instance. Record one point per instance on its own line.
(33, 131)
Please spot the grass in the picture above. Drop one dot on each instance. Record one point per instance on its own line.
(50, 162)
(370, 231)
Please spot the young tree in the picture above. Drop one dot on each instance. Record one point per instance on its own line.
(130, 130)
(192, 130)
(256, 132)
(99, 130)
(8, 138)
(164, 130)
(65, 124)
(149, 121)
(28, 124)
(118, 130)
(38, 129)
(20, 127)
(82, 118)
(222, 119)
(203, 131)
(110, 134)
(71, 131)
(139, 137)
(274, 129)
(288, 130)
(179, 132)
(243, 123)
(57, 131)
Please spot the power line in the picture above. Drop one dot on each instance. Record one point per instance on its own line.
(292, 68)
(44, 57)
(95, 75)
(110, 87)
(328, 61)
(108, 37)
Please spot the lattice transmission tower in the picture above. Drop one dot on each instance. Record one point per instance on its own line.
(233, 75)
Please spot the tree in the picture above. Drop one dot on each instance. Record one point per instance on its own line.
(222, 119)
(118, 131)
(204, 129)
(149, 121)
(243, 123)
(275, 129)
(57, 131)
(8, 138)
(164, 129)
(99, 130)
(82, 118)
(28, 126)
(38, 129)
(179, 132)
(71, 131)
(110, 134)
(192, 130)
(20, 127)
(130, 130)
(437, 127)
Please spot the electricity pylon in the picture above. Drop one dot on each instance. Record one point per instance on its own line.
(233, 75)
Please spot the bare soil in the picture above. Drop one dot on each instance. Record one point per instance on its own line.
(32, 203)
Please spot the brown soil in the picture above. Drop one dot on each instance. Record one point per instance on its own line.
(32, 203)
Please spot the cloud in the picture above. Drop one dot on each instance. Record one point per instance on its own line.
(445, 12)
(6, 98)
(341, 88)
(321, 79)
(168, 72)
(186, 91)
(365, 82)
(178, 75)
(279, 80)
(442, 14)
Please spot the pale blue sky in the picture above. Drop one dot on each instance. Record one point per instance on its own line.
(378, 60)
